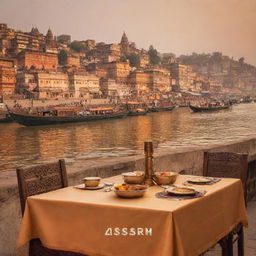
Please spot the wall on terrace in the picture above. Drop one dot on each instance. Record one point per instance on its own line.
(188, 159)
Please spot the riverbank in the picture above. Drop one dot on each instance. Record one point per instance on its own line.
(189, 159)
(91, 141)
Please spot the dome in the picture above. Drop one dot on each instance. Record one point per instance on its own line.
(35, 31)
(49, 34)
(124, 39)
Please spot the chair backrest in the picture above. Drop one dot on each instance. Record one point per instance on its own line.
(226, 165)
(37, 179)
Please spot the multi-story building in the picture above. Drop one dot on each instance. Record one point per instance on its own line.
(90, 44)
(108, 87)
(51, 85)
(116, 70)
(143, 59)
(183, 76)
(37, 60)
(215, 86)
(107, 52)
(6, 35)
(160, 80)
(97, 69)
(7, 77)
(26, 84)
(168, 59)
(65, 39)
(27, 41)
(73, 60)
(139, 82)
(82, 85)
(14, 41)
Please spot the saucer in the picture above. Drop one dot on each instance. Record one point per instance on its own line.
(82, 186)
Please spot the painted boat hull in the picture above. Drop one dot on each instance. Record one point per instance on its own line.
(200, 109)
(31, 120)
(131, 113)
(6, 119)
(160, 109)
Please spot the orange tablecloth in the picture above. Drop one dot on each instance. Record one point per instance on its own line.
(77, 220)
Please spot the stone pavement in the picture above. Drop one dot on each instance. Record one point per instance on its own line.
(250, 234)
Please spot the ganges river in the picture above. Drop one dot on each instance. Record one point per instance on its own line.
(20, 145)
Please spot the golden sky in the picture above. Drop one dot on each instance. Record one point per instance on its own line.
(178, 26)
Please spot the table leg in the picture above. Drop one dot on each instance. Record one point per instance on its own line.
(226, 244)
(230, 244)
(240, 242)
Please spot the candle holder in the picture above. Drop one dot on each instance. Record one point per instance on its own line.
(148, 151)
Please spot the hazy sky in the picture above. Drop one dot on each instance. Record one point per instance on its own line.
(178, 26)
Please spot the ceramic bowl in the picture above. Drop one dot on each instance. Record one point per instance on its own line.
(134, 177)
(165, 178)
(91, 181)
(134, 191)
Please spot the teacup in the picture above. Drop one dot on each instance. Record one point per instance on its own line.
(91, 181)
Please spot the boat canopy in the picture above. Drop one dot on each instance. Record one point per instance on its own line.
(101, 109)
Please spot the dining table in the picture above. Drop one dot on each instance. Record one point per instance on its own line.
(99, 223)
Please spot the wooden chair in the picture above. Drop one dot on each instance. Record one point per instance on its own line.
(38, 179)
(228, 165)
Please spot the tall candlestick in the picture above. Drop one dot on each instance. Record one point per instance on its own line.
(148, 151)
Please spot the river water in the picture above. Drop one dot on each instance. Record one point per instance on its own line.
(20, 145)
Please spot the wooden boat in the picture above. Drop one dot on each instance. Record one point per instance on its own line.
(66, 115)
(137, 113)
(135, 109)
(4, 114)
(208, 109)
(5, 118)
(158, 109)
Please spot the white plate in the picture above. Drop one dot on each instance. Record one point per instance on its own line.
(82, 186)
(172, 190)
(199, 180)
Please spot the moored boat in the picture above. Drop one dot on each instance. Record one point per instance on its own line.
(5, 118)
(158, 109)
(136, 108)
(4, 114)
(137, 112)
(66, 115)
(208, 108)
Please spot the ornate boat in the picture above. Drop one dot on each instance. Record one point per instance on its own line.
(158, 109)
(137, 112)
(5, 118)
(209, 108)
(4, 114)
(66, 115)
(136, 108)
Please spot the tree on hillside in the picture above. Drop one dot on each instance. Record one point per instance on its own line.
(77, 46)
(153, 56)
(62, 57)
(133, 59)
